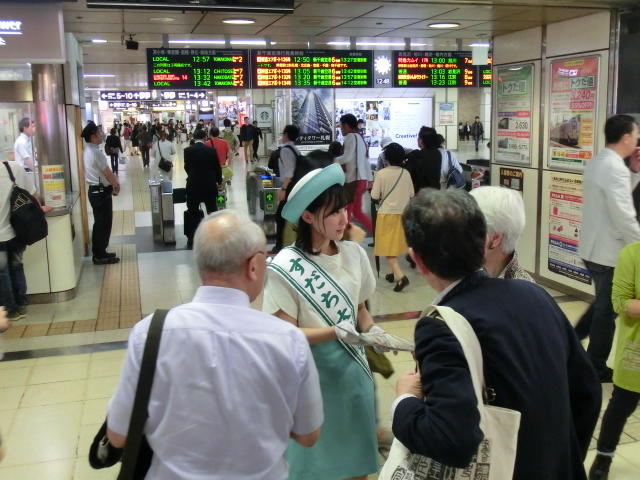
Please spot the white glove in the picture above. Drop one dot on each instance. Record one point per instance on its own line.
(347, 332)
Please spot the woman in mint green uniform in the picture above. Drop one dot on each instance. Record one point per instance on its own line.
(320, 285)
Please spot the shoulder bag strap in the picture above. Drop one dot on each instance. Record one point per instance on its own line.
(357, 145)
(140, 413)
(13, 179)
(392, 188)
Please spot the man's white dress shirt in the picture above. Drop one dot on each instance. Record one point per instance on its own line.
(23, 148)
(231, 384)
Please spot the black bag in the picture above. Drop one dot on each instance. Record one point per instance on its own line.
(274, 162)
(26, 215)
(455, 178)
(137, 454)
(165, 164)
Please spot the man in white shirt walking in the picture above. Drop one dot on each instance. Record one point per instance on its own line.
(23, 148)
(608, 224)
(358, 170)
(232, 385)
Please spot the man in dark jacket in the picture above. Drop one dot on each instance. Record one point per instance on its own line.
(533, 362)
(424, 165)
(203, 176)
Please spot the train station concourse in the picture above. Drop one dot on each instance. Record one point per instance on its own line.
(371, 223)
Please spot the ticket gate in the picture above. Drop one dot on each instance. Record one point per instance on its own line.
(262, 191)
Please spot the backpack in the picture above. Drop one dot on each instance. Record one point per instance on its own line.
(229, 137)
(274, 161)
(455, 178)
(26, 216)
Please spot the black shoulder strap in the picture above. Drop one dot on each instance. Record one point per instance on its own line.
(140, 413)
(13, 179)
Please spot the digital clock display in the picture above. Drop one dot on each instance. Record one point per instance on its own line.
(312, 68)
(196, 68)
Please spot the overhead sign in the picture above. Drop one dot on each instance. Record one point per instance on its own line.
(183, 95)
(254, 6)
(312, 68)
(34, 35)
(126, 95)
(123, 105)
(163, 104)
(196, 68)
(438, 70)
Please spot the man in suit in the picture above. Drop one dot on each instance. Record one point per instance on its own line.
(608, 224)
(533, 361)
(424, 165)
(203, 176)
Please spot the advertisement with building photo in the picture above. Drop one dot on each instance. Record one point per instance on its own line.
(311, 111)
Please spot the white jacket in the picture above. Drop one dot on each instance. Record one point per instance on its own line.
(608, 215)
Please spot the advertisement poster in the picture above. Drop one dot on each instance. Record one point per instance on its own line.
(397, 118)
(573, 112)
(311, 111)
(264, 116)
(53, 185)
(512, 178)
(565, 223)
(447, 114)
(514, 100)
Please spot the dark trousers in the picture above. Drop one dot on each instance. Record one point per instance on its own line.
(13, 284)
(102, 205)
(114, 162)
(621, 405)
(599, 320)
(280, 226)
(256, 144)
(144, 151)
(477, 138)
(195, 197)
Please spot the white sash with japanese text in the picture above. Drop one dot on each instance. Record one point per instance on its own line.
(325, 295)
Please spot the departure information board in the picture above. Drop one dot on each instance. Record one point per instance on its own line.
(196, 68)
(438, 70)
(312, 68)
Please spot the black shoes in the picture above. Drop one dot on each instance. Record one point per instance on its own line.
(411, 262)
(389, 277)
(400, 284)
(105, 260)
(600, 468)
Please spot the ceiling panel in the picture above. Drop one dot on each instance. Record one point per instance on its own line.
(302, 31)
(343, 9)
(413, 32)
(480, 12)
(356, 32)
(296, 21)
(410, 11)
(222, 29)
(549, 15)
(388, 23)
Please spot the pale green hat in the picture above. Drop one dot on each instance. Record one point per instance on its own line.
(309, 188)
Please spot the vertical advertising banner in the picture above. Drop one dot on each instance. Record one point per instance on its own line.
(311, 111)
(447, 114)
(573, 112)
(565, 223)
(514, 104)
(53, 185)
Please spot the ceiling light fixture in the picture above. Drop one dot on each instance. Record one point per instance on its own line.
(202, 42)
(479, 44)
(444, 25)
(98, 40)
(375, 44)
(162, 19)
(98, 75)
(239, 21)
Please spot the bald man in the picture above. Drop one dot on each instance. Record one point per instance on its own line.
(252, 383)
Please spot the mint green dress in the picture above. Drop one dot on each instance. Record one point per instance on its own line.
(347, 446)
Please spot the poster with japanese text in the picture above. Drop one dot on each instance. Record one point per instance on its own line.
(565, 223)
(514, 104)
(312, 113)
(53, 185)
(447, 114)
(573, 112)
(512, 178)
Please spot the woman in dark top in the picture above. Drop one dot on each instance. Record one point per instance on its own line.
(113, 147)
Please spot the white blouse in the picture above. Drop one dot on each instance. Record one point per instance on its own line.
(350, 268)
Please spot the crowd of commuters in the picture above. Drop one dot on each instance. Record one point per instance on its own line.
(475, 130)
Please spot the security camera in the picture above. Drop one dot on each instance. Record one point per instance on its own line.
(131, 44)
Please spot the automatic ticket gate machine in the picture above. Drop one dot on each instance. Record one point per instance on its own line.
(269, 187)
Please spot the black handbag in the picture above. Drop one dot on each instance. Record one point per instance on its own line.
(25, 214)
(137, 454)
(165, 164)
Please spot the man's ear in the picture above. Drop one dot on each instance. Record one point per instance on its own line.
(251, 268)
(494, 240)
(307, 216)
(419, 263)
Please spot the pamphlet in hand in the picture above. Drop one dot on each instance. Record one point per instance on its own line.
(387, 340)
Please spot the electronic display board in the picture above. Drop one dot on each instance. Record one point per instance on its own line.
(199, 68)
(312, 68)
(438, 70)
